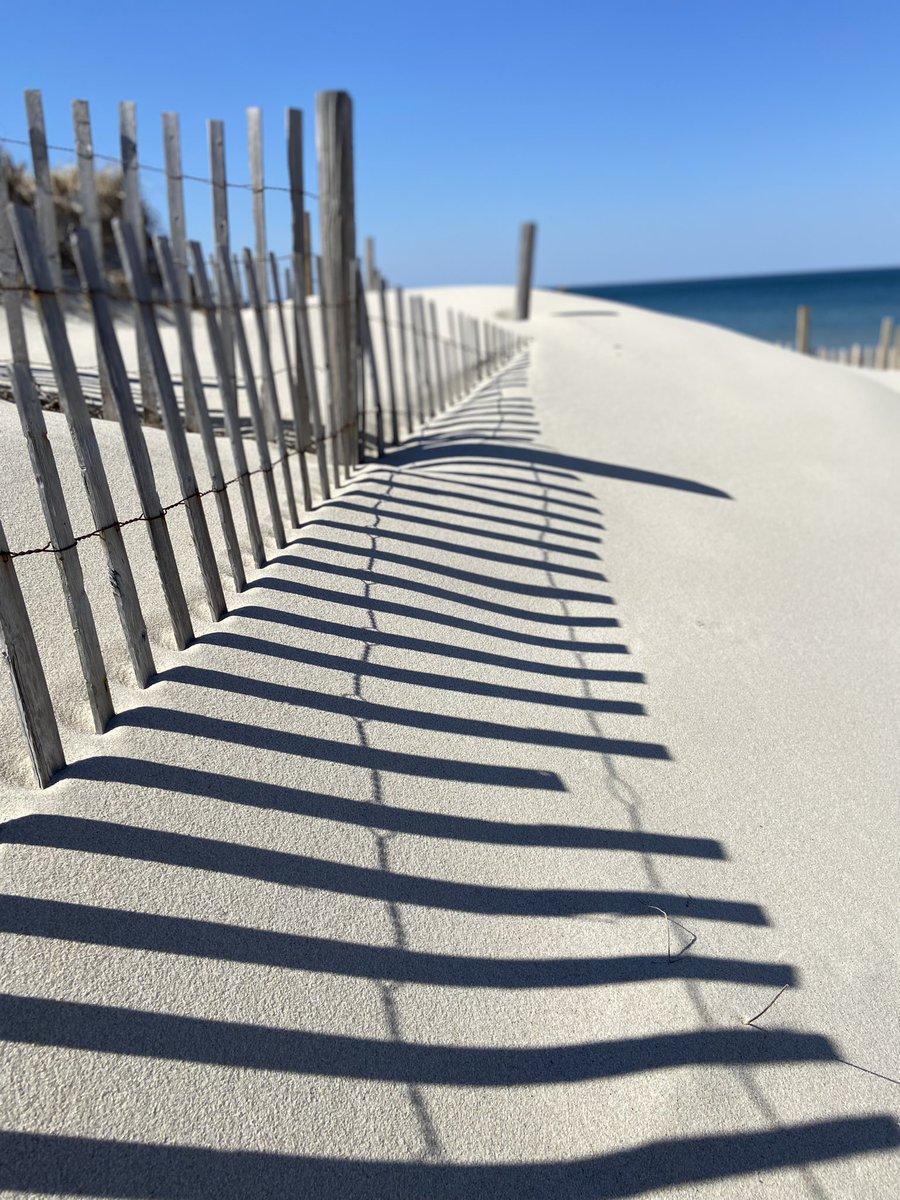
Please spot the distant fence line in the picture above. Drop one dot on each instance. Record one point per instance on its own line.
(366, 398)
(883, 355)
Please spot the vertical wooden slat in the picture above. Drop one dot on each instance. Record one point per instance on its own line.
(334, 414)
(886, 333)
(308, 257)
(371, 270)
(228, 399)
(301, 247)
(404, 361)
(173, 284)
(368, 349)
(265, 461)
(11, 275)
(526, 267)
(259, 263)
(418, 365)
(133, 437)
(178, 231)
(84, 438)
(221, 232)
(270, 393)
(388, 362)
(90, 220)
(19, 650)
(453, 355)
(801, 343)
(44, 208)
(296, 389)
(334, 142)
(439, 361)
(133, 210)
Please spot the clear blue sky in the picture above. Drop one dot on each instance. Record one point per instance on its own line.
(661, 139)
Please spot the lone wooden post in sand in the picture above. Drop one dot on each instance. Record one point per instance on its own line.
(334, 143)
(526, 266)
(801, 345)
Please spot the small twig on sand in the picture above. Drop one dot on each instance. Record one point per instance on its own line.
(762, 1012)
(670, 957)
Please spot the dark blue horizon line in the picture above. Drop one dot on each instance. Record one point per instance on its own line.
(590, 288)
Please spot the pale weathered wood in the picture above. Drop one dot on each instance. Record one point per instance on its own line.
(371, 269)
(368, 349)
(228, 398)
(62, 539)
(73, 404)
(419, 363)
(270, 393)
(10, 275)
(404, 361)
(133, 437)
(296, 390)
(856, 355)
(883, 357)
(259, 429)
(479, 360)
(221, 233)
(526, 266)
(133, 211)
(439, 358)
(308, 256)
(44, 209)
(258, 188)
(139, 284)
(178, 231)
(32, 697)
(90, 220)
(388, 362)
(334, 142)
(172, 284)
(307, 384)
(335, 437)
(801, 343)
(453, 355)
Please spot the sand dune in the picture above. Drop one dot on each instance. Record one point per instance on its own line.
(454, 860)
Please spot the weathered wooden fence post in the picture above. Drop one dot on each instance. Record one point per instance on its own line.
(801, 342)
(883, 359)
(372, 273)
(133, 211)
(334, 142)
(178, 229)
(18, 648)
(526, 265)
(44, 208)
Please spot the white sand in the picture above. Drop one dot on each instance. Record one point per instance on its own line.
(361, 898)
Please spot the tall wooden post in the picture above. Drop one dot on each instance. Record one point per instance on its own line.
(334, 143)
(883, 358)
(801, 344)
(371, 269)
(526, 266)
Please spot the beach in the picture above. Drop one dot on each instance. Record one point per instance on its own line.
(456, 859)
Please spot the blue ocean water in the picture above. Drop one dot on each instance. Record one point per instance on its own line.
(846, 306)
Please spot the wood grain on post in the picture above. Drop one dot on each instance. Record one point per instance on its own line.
(221, 232)
(90, 220)
(133, 437)
(172, 284)
(44, 208)
(296, 389)
(301, 249)
(388, 362)
(404, 361)
(178, 232)
(259, 265)
(84, 438)
(228, 398)
(801, 342)
(527, 235)
(270, 392)
(259, 429)
(334, 143)
(32, 696)
(62, 539)
(133, 212)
